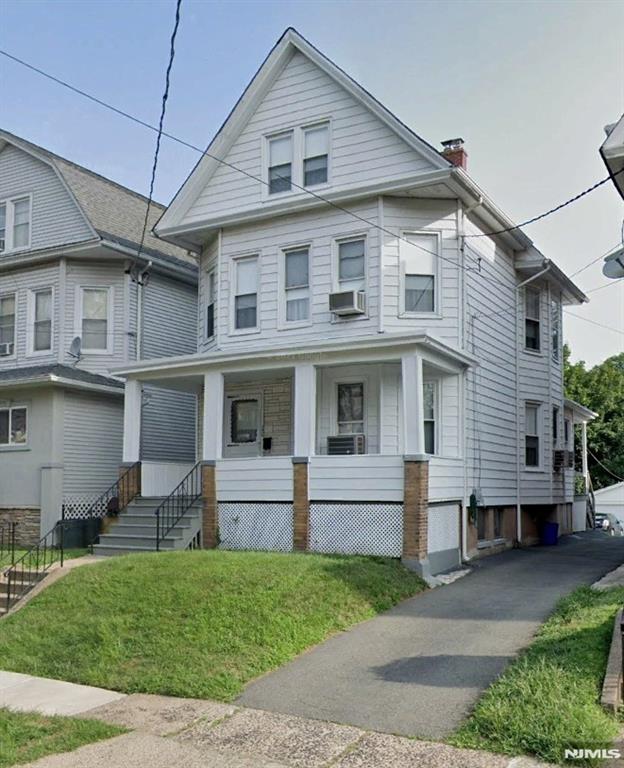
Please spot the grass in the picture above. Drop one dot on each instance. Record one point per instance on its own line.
(197, 624)
(27, 737)
(548, 699)
(5, 557)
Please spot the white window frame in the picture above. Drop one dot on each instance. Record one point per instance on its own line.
(538, 320)
(555, 427)
(16, 446)
(437, 293)
(335, 257)
(9, 202)
(336, 383)
(539, 467)
(555, 323)
(13, 355)
(568, 433)
(234, 331)
(283, 323)
(437, 432)
(211, 277)
(298, 151)
(30, 332)
(109, 319)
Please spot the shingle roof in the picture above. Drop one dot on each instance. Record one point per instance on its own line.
(44, 372)
(110, 207)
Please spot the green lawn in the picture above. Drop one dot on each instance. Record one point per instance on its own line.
(548, 699)
(197, 624)
(27, 737)
(5, 557)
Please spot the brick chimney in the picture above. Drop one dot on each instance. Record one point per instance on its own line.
(453, 150)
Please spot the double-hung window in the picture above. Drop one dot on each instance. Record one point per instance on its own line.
(15, 218)
(532, 335)
(246, 293)
(430, 406)
(555, 426)
(532, 435)
(352, 264)
(95, 319)
(42, 320)
(211, 298)
(419, 266)
(315, 155)
(7, 325)
(351, 408)
(555, 328)
(280, 163)
(297, 285)
(13, 425)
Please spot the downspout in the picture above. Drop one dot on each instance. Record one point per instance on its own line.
(139, 321)
(381, 303)
(517, 347)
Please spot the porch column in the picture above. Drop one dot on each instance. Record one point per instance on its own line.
(212, 437)
(415, 468)
(584, 463)
(303, 448)
(132, 421)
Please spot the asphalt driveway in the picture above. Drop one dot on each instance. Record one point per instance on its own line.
(419, 668)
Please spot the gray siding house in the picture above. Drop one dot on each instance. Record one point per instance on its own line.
(71, 307)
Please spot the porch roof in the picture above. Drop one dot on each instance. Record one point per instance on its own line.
(58, 374)
(579, 412)
(373, 348)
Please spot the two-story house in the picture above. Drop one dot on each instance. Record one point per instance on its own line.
(377, 372)
(74, 301)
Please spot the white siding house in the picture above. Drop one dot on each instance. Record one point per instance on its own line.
(417, 422)
(69, 311)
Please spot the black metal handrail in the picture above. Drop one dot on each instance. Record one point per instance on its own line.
(179, 501)
(7, 543)
(29, 569)
(110, 503)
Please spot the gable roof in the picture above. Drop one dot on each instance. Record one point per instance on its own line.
(290, 42)
(113, 212)
(54, 373)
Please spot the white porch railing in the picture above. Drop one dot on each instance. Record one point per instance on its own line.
(265, 478)
(159, 478)
(356, 478)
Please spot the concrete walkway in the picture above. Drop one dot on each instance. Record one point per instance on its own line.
(418, 669)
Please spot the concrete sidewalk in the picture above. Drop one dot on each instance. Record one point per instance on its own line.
(418, 669)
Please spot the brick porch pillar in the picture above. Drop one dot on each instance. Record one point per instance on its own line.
(416, 513)
(301, 503)
(130, 486)
(210, 519)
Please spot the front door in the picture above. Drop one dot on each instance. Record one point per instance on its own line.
(243, 426)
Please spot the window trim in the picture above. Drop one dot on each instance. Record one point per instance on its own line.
(539, 467)
(555, 427)
(437, 293)
(555, 323)
(13, 355)
(335, 268)
(233, 330)
(337, 383)
(109, 319)
(17, 446)
(538, 320)
(211, 276)
(568, 432)
(437, 446)
(282, 323)
(266, 158)
(30, 322)
(9, 202)
(309, 127)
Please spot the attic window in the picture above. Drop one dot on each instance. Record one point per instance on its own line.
(315, 155)
(15, 216)
(280, 163)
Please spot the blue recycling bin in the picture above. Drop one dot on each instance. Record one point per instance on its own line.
(550, 533)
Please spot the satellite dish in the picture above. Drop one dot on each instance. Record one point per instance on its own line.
(75, 348)
(614, 264)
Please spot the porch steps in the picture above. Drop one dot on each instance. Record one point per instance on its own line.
(135, 530)
(29, 581)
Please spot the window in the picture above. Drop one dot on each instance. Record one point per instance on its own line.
(532, 319)
(297, 285)
(350, 409)
(7, 324)
(95, 310)
(566, 432)
(13, 426)
(42, 320)
(555, 326)
(498, 523)
(419, 272)
(15, 224)
(315, 155)
(555, 425)
(210, 306)
(531, 436)
(352, 264)
(244, 420)
(246, 293)
(429, 391)
(280, 163)
(482, 518)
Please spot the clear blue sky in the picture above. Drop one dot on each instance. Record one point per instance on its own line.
(529, 85)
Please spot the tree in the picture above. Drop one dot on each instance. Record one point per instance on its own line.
(600, 388)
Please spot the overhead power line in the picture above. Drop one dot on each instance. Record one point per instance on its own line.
(593, 322)
(606, 469)
(593, 261)
(604, 285)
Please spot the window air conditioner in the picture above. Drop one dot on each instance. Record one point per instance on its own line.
(346, 445)
(347, 303)
(6, 349)
(558, 460)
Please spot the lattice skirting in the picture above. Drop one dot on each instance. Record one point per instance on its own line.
(256, 525)
(356, 528)
(76, 507)
(443, 527)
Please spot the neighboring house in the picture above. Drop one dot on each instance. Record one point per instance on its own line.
(375, 373)
(611, 500)
(612, 152)
(69, 310)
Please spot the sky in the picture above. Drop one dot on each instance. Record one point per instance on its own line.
(528, 85)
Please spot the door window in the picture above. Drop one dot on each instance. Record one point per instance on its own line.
(244, 421)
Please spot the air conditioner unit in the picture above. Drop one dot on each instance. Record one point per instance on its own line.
(569, 460)
(558, 461)
(347, 303)
(6, 349)
(346, 445)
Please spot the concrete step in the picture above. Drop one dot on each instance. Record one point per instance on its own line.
(144, 542)
(107, 550)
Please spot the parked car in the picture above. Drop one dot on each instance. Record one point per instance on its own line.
(613, 525)
(600, 519)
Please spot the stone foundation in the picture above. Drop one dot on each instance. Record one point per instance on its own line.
(28, 531)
